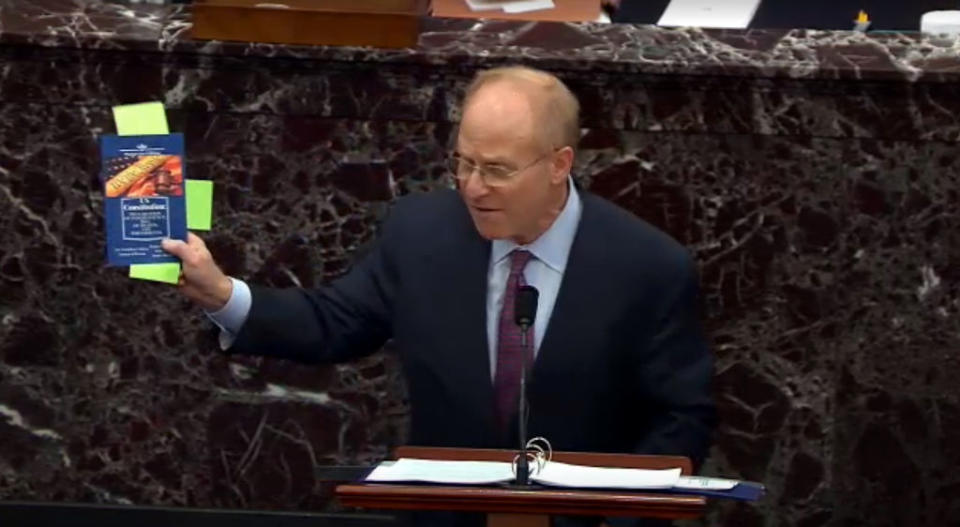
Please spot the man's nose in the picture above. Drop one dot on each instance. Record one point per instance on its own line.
(473, 185)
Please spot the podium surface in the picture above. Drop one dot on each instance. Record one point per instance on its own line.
(510, 506)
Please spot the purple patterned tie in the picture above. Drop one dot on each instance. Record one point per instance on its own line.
(506, 383)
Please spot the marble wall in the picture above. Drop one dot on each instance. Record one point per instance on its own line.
(814, 175)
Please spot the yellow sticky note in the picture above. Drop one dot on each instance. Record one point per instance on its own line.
(148, 118)
(161, 272)
(199, 196)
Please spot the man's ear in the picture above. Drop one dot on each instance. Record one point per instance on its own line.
(562, 164)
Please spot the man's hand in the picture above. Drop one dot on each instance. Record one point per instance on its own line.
(200, 278)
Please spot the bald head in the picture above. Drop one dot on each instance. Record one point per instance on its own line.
(536, 101)
(502, 117)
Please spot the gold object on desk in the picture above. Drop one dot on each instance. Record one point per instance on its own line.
(377, 23)
(862, 22)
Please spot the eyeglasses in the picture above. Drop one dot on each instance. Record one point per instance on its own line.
(492, 175)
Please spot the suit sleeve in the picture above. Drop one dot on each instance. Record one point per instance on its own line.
(675, 373)
(350, 318)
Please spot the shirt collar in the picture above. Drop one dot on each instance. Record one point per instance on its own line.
(553, 246)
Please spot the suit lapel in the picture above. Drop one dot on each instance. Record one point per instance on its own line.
(577, 284)
(465, 317)
(477, 355)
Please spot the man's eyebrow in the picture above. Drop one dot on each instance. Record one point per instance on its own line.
(490, 161)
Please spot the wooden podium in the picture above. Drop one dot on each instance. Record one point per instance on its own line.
(378, 23)
(527, 508)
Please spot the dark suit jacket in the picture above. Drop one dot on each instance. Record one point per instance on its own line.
(623, 366)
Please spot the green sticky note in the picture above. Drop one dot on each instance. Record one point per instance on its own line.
(148, 118)
(161, 272)
(199, 196)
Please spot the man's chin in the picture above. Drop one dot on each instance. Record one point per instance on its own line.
(490, 232)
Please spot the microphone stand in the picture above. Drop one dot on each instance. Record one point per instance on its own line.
(525, 312)
(523, 466)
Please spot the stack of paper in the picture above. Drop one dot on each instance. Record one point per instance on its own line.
(436, 471)
(408, 470)
(510, 6)
(565, 475)
(553, 473)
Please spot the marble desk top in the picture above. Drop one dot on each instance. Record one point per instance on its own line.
(622, 48)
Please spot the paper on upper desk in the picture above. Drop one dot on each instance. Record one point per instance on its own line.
(564, 475)
(702, 483)
(437, 471)
(511, 6)
(733, 14)
(479, 5)
(527, 6)
(940, 22)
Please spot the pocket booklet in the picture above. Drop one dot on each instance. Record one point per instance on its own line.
(142, 180)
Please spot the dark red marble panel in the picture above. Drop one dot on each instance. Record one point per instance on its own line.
(814, 175)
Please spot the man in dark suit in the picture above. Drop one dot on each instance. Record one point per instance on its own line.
(620, 363)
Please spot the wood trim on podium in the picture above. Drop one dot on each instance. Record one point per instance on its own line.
(378, 23)
(534, 505)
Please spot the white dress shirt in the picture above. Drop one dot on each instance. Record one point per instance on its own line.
(544, 272)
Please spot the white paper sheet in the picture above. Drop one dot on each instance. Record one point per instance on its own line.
(510, 6)
(490, 472)
(734, 14)
(476, 5)
(527, 6)
(564, 475)
(435, 471)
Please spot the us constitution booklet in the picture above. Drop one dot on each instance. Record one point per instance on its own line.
(142, 178)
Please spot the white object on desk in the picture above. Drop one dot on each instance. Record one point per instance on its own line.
(512, 6)
(438, 471)
(733, 14)
(552, 473)
(941, 22)
(703, 483)
(579, 476)
(475, 5)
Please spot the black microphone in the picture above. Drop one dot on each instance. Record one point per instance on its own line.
(525, 306)
(524, 313)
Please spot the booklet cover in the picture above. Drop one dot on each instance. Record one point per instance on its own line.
(142, 177)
